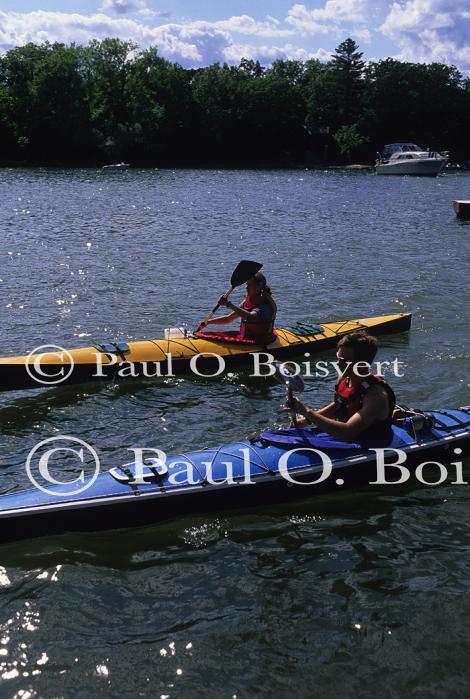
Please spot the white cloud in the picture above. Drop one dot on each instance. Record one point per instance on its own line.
(333, 14)
(17, 29)
(363, 35)
(422, 30)
(431, 30)
(267, 54)
(244, 24)
(337, 18)
(189, 44)
(194, 44)
(122, 7)
(341, 11)
(302, 20)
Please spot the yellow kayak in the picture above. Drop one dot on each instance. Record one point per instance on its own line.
(204, 356)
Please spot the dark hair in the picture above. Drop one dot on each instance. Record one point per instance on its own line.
(363, 345)
(260, 279)
(265, 291)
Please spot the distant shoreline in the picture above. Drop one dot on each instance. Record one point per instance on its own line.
(189, 166)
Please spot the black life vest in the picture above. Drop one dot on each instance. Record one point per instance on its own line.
(349, 400)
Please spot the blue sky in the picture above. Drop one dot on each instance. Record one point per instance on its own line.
(204, 32)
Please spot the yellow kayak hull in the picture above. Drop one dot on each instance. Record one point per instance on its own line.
(162, 357)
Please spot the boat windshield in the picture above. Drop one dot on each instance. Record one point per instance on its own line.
(406, 156)
(392, 148)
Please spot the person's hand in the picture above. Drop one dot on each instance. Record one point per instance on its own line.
(203, 324)
(222, 301)
(294, 405)
(299, 422)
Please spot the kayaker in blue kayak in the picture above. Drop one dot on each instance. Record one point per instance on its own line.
(257, 312)
(363, 405)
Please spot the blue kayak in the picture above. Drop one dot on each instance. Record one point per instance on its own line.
(283, 464)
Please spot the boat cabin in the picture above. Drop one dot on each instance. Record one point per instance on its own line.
(392, 148)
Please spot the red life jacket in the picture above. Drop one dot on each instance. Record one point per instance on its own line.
(349, 400)
(254, 329)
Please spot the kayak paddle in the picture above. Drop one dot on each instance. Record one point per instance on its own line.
(292, 382)
(242, 272)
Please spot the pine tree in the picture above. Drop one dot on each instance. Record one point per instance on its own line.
(347, 70)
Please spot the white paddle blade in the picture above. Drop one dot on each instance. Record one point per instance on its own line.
(284, 375)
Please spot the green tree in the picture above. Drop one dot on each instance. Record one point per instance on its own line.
(251, 114)
(17, 69)
(337, 92)
(293, 72)
(46, 100)
(220, 98)
(106, 67)
(8, 139)
(274, 118)
(59, 109)
(162, 115)
(427, 104)
(252, 68)
(349, 140)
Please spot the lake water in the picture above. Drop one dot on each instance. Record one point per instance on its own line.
(346, 595)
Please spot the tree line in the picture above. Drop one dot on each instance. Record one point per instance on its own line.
(108, 101)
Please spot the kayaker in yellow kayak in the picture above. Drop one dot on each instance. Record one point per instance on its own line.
(257, 312)
(363, 404)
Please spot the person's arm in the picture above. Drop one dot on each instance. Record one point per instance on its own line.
(241, 312)
(327, 411)
(373, 406)
(220, 320)
(237, 312)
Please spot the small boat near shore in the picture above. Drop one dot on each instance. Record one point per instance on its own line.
(409, 159)
(279, 463)
(116, 166)
(178, 355)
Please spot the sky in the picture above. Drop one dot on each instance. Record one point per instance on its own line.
(197, 33)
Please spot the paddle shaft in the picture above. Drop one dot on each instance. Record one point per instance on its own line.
(290, 395)
(245, 270)
(216, 308)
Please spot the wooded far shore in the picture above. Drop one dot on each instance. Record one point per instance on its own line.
(69, 105)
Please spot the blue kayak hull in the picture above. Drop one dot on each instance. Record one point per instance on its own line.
(232, 476)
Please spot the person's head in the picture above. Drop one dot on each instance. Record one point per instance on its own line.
(353, 348)
(257, 286)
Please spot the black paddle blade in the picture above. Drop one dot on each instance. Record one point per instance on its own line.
(244, 271)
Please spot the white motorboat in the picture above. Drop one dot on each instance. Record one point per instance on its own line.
(409, 159)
